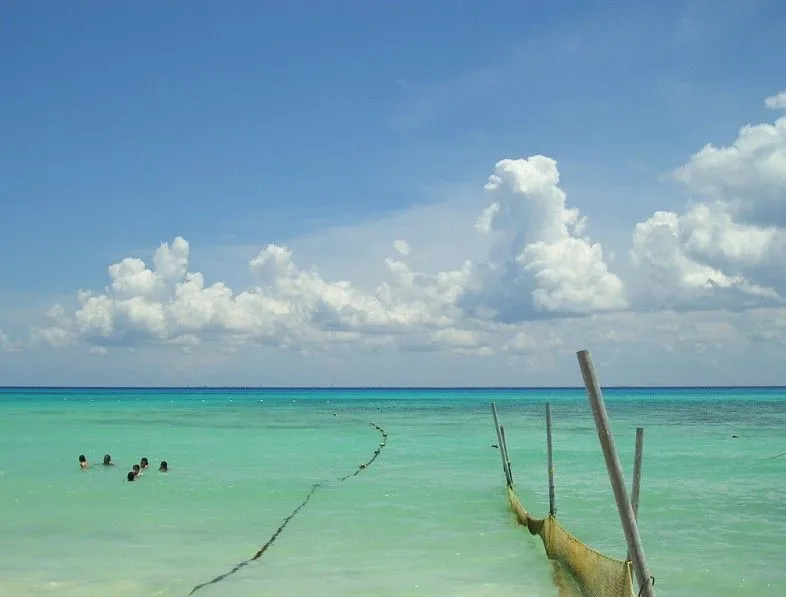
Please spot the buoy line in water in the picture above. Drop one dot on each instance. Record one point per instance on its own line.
(299, 507)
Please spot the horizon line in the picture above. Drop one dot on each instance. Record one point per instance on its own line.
(435, 388)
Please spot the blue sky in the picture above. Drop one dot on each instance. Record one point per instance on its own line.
(235, 125)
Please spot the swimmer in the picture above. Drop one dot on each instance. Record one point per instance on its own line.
(83, 462)
(144, 463)
(137, 472)
(130, 476)
(164, 468)
(108, 460)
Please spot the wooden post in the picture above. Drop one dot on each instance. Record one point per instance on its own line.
(552, 509)
(500, 444)
(616, 477)
(507, 455)
(634, 498)
(634, 493)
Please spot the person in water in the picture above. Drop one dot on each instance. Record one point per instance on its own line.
(83, 462)
(144, 463)
(164, 468)
(108, 460)
(130, 476)
(136, 470)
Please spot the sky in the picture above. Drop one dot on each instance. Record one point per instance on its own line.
(393, 193)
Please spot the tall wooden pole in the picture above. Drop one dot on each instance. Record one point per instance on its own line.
(507, 455)
(616, 477)
(552, 509)
(500, 445)
(634, 497)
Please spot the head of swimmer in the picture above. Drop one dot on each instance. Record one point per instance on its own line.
(164, 467)
(82, 461)
(144, 463)
(108, 460)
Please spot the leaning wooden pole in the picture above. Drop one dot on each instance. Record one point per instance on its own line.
(501, 445)
(552, 509)
(616, 477)
(634, 493)
(507, 455)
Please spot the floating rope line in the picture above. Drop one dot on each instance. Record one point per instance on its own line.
(294, 512)
(262, 549)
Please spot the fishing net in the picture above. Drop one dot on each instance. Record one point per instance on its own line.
(578, 570)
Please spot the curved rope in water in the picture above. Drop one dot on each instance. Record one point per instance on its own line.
(294, 512)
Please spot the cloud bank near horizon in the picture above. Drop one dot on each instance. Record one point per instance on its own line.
(721, 253)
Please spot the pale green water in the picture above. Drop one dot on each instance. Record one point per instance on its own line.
(428, 517)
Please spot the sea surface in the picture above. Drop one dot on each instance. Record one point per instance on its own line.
(427, 517)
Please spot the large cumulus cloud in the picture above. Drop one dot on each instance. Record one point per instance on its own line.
(541, 264)
(728, 246)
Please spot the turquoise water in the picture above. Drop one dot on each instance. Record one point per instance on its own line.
(427, 517)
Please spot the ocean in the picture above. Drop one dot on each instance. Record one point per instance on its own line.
(428, 516)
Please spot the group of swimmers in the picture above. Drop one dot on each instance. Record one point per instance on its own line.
(135, 471)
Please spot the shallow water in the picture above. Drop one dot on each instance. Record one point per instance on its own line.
(428, 517)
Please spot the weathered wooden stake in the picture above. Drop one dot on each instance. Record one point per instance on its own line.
(634, 493)
(500, 445)
(616, 477)
(552, 509)
(507, 455)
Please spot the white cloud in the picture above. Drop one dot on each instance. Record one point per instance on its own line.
(704, 347)
(776, 102)
(538, 289)
(538, 243)
(527, 342)
(748, 177)
(6, 344)
(674, 252)
(727, 249)
(541, 264)
(288, 307)
(454, 340)
(402, 247)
